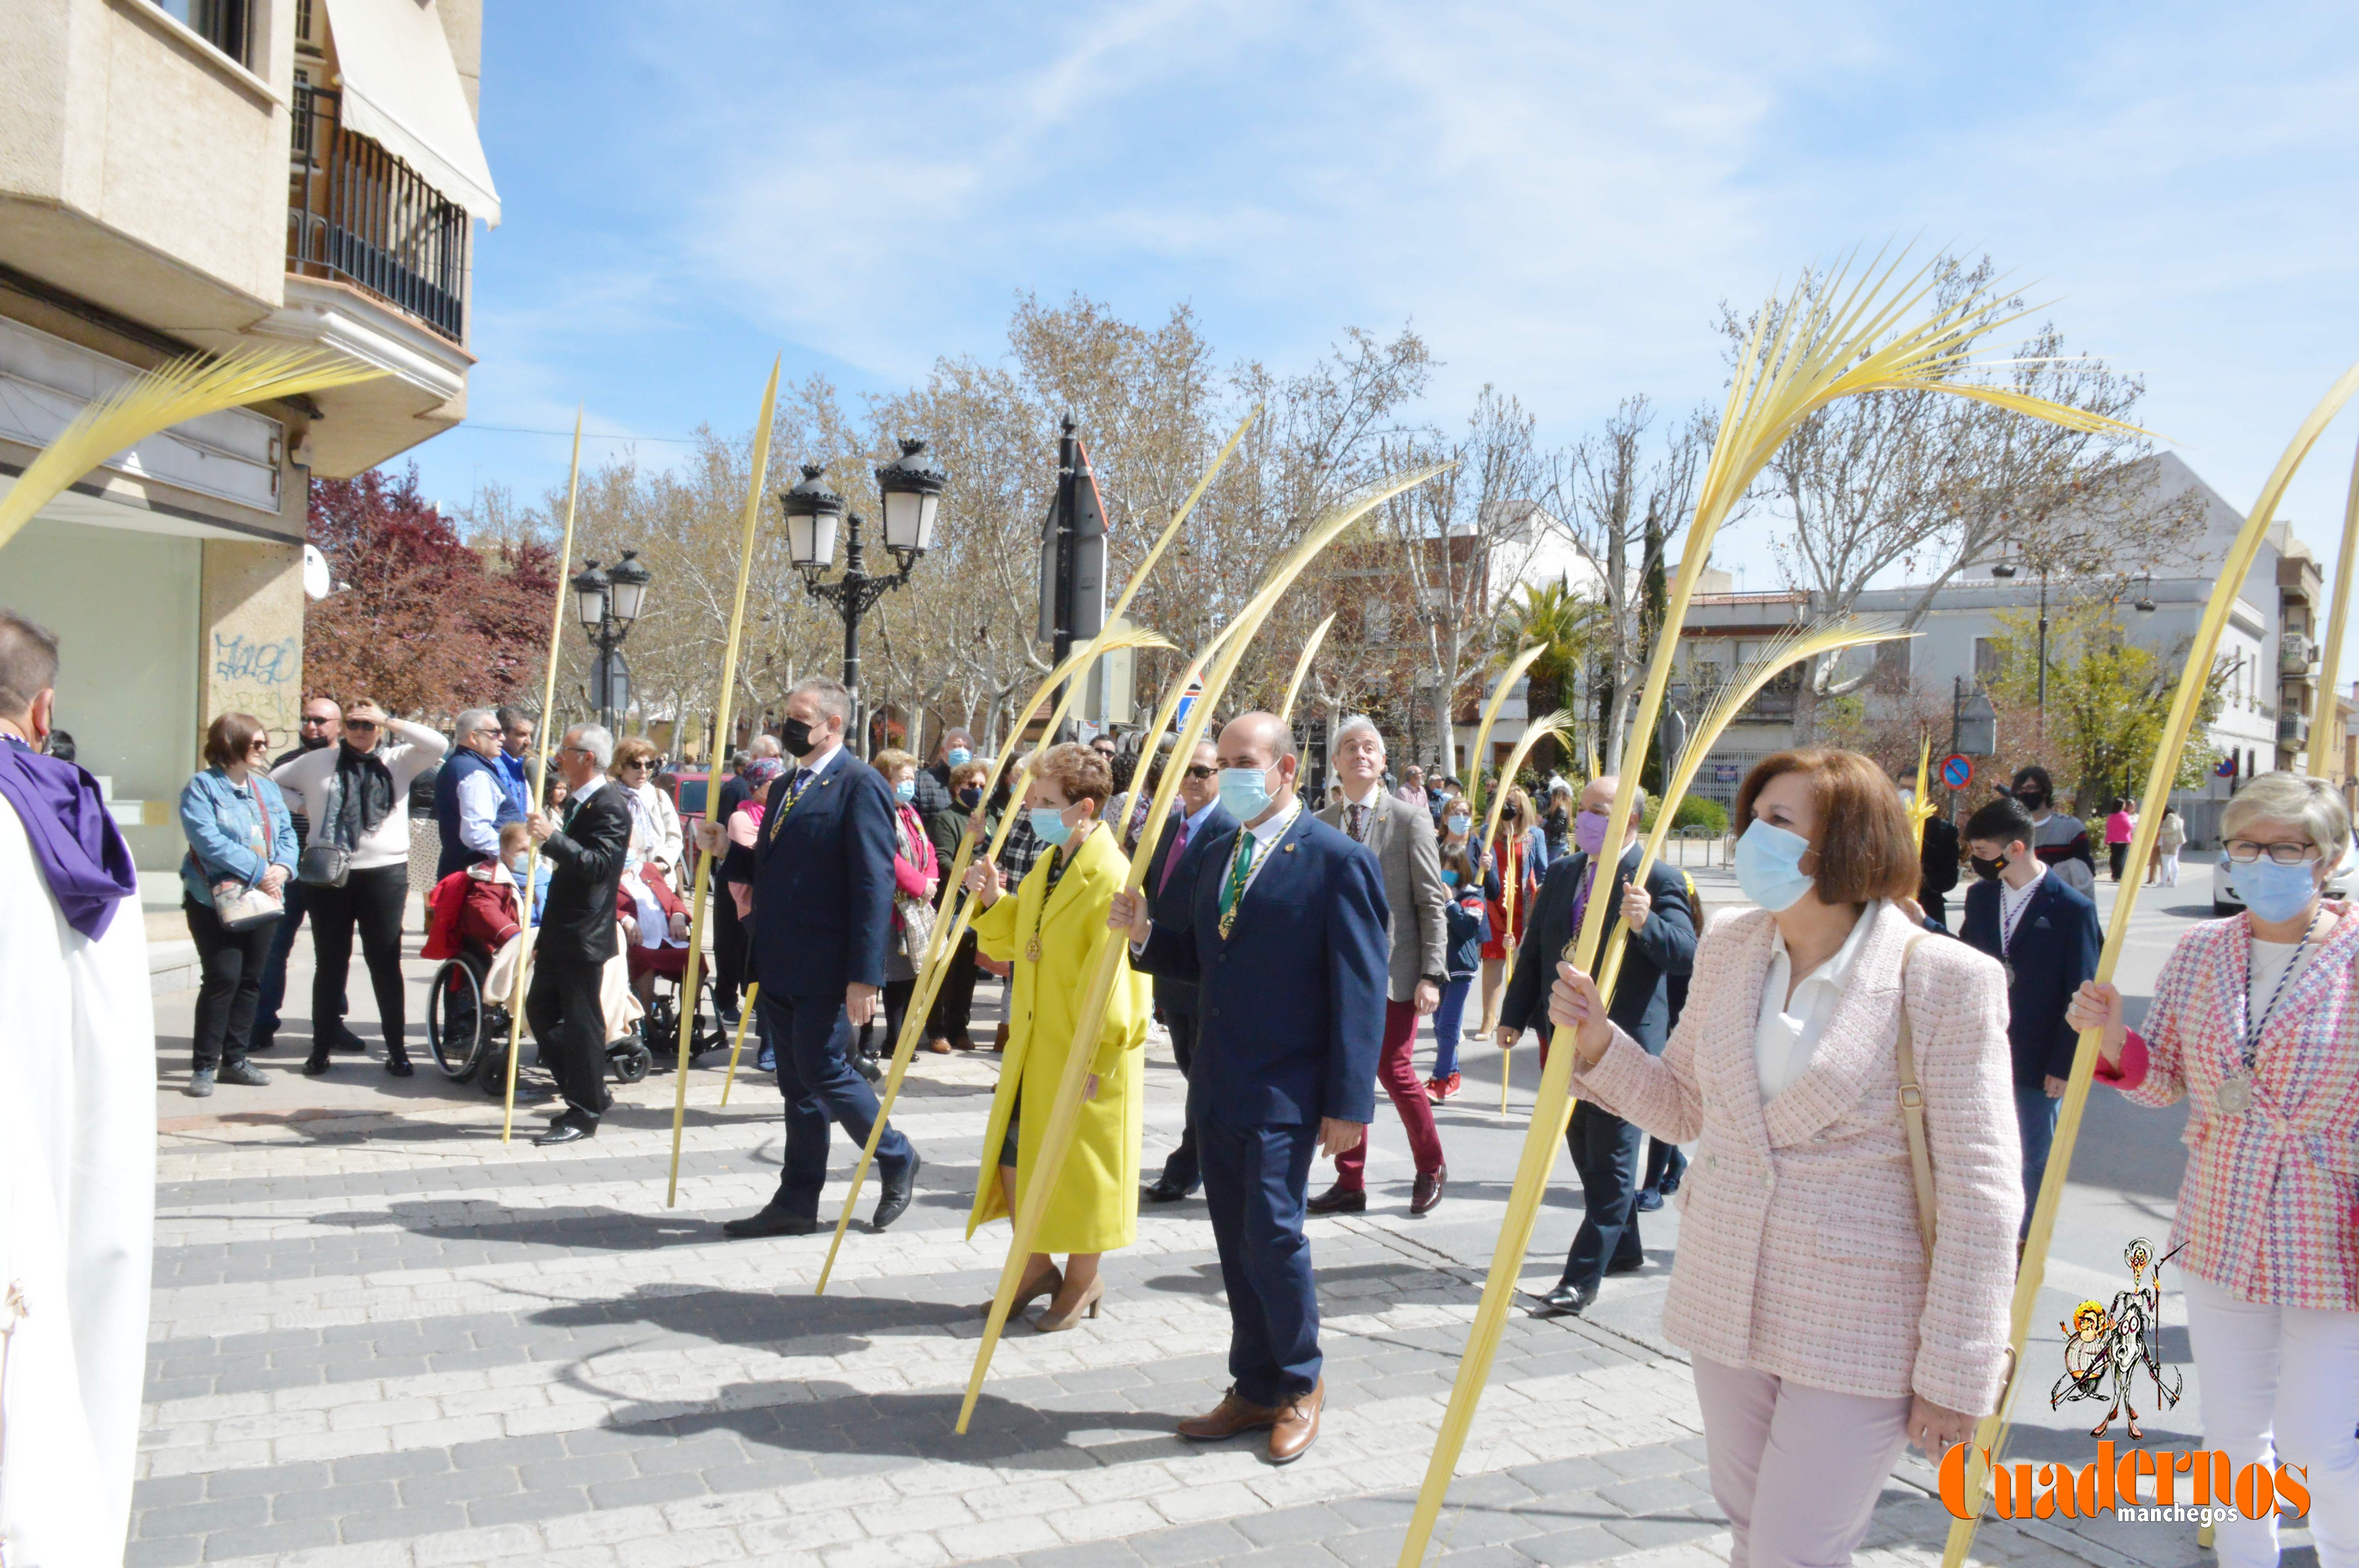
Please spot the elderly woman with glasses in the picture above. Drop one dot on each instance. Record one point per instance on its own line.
(2255, 1024)
(655, 820)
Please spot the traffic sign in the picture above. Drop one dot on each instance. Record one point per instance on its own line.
(1186, 703)
(2225, 768)
(1957, 771)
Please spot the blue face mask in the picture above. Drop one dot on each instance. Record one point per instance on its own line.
(1769, 866)
(1245, 791)
(1457, 823)
(906, 790)
(958, 756)
(1049, 825)
(2273, 893)
(1449, 879)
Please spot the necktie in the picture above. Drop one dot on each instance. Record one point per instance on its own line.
(1171, 860)
(1360, 824)
(1234, 889)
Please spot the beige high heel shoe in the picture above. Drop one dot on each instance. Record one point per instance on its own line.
(1031, 1291)
(1050, 1323)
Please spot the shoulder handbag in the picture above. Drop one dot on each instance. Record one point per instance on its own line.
(916, 914)
(323, 864)
(251, 906)
(1920, 1154)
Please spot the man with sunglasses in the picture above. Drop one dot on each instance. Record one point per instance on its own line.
(1170, 879)
(318, 726)
(352, 794)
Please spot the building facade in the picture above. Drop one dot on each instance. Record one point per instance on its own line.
(184, 177)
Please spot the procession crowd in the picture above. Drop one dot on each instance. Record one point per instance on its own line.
(1867, 1100)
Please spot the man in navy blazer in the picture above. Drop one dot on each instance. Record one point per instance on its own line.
(1284, 933)
(2045, 930)
(815, 885)
(1196, 819)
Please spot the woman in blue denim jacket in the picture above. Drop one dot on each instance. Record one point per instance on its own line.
(240, 835)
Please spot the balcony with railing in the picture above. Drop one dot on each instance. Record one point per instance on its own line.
(357, 215)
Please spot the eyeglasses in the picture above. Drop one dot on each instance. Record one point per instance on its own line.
(360, 726)
(1200, 772)
(637, 763)
(2245, 851)
(321, 719)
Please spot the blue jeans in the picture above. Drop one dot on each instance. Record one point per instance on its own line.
(812, 1038)
(2035, 1117)
(1447, 1020)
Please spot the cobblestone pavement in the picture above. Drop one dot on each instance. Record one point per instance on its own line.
(386, 1340)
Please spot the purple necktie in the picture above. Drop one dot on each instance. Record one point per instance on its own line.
(1171, 862)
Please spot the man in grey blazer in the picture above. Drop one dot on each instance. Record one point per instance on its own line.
(1403, 839)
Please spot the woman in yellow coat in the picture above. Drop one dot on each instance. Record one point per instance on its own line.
(1054, 931)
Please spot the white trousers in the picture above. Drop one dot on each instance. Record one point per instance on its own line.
(2169, 864)
(1797, 1470)
(2281, 1386)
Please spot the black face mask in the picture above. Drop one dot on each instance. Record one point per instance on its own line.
(1987, 869)
(796, 737)
(2033, 800)
(970, 797)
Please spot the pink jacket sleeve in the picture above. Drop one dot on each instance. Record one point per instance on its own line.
(912, 875)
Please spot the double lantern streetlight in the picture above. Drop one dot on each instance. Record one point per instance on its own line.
(911, 489)
(609, 600)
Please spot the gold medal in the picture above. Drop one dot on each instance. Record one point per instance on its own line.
(1032, 949)
(2234, 1095)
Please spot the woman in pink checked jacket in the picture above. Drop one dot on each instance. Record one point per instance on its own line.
(2255, 1021)
(1825, 1334)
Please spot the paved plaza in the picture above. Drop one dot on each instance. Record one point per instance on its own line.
(382, 1340)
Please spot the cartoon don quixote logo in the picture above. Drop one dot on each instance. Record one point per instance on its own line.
(2106, 1346)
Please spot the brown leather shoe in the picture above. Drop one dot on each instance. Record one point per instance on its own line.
(1335, 1200)
(1297, 1427)
(1427, 1194)
(1232, 1415)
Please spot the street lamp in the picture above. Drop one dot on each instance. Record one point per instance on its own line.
(911, 488)
(608, 601)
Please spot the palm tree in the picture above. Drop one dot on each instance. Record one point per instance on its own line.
(1570, 629)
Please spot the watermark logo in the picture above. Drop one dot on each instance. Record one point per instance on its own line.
(2109, 1485)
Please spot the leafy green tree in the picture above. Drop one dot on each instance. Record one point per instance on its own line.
(2108, 701)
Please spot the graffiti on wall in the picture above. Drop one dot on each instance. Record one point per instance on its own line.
(261, 676)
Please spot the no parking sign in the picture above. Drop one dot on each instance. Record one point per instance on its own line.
(1957, 771)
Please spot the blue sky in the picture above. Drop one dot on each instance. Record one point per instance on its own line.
(1557, 195)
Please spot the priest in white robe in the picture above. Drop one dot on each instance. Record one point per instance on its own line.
(77, 1140)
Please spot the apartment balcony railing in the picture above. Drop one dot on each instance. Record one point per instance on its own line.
(357, 215)
(2294, 655)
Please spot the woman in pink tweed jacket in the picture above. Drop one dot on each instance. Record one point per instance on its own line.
(1823, 1340)
(2255, 1023)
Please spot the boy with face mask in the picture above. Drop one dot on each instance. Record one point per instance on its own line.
(2022, 913)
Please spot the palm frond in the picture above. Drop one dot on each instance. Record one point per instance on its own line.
(1302, 667)
(171, 394)
(1516, 666)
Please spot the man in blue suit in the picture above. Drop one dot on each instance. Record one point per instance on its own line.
(2044, 932)
(1171, 882)
(1284, 933)
(815, 885)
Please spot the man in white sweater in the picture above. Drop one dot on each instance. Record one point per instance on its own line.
(353, 794)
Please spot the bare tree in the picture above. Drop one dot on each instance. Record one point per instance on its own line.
(1623, 498)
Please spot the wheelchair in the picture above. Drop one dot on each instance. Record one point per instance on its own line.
(469, 1037)
(658, 1031)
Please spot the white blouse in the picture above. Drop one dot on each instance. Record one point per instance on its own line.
(1786, 1032)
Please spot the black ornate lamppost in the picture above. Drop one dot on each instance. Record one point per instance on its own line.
(609, 600)
(911, 487)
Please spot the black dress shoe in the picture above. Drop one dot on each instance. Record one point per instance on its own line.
(771, 1221)
(893, 1201)
(1335, 1200)
(566, 1129)
(1566, 1300)
(1163, 1192)
(316, 1066)
(1649, 1201)
(397, 1064)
